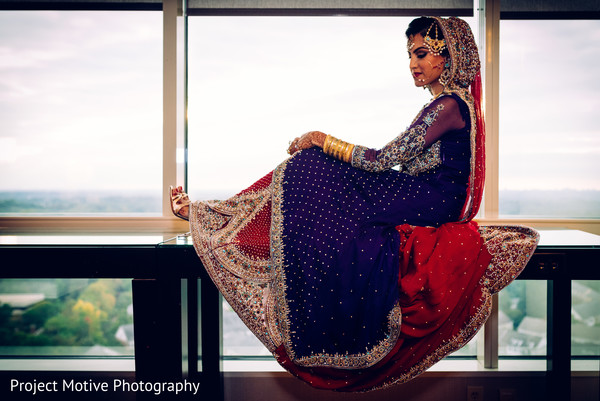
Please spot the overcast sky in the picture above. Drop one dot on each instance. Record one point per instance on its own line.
(81, 106)
(80, 100)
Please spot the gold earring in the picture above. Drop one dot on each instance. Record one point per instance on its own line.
(444, 78)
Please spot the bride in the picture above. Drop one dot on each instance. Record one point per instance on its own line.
(355, 275)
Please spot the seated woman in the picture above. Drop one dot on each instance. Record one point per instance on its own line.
(356, 275)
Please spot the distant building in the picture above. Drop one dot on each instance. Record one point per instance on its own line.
(21, 302)
(125, 334)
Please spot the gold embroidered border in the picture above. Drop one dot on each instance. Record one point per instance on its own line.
(360, 361)
(455, 343)
(468, 99)
(511, 248)
(281, 307)
(246, 283)
(234, 213)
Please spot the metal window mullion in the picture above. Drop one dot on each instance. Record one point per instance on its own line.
(169, 99)
(491, 12)
(184, 112)
(491, 86)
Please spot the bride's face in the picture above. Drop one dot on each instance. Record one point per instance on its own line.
(425, 67)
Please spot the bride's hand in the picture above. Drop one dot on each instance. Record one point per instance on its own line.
(308, 140)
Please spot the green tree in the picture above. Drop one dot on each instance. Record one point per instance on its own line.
(39, 313)
(5, 324)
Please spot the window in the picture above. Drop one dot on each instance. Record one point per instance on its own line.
(522, 319)
(256, 83)
(549, 142)
(238, 341)
(585, 328)
(80, 105)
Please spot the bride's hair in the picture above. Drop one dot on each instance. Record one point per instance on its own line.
(421, 26)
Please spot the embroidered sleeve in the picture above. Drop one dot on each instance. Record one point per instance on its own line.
(434, 120)
(429, 159)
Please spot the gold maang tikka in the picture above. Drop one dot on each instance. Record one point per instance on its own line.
(435, 46)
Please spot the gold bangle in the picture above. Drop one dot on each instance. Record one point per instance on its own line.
(327, 144)
(335, 145)
(337, 148)
(331, 146)
(338, 151)
(343, 149)
(343, 146)
(349, 154)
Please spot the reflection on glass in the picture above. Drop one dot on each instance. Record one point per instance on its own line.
(549, 145)
(80, 105)
(66, 317)
(585, 318)
(522, 319)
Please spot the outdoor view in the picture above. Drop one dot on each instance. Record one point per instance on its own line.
(81, 134)
(66, 317)
(549, 140)
(80, 112)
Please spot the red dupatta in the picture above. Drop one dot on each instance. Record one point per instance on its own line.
(477, 180)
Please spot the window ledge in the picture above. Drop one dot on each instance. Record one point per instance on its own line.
(445, 367)
(588, 225)
(138, 224)
(95, 224)
(68, 364)
(459, 367)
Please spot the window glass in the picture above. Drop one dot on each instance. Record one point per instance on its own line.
(256, 83)
(522, 319)
(549, 138)
(470, 348)
(66, 317)
(81, 107)
(237, 339)
(585, 317)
